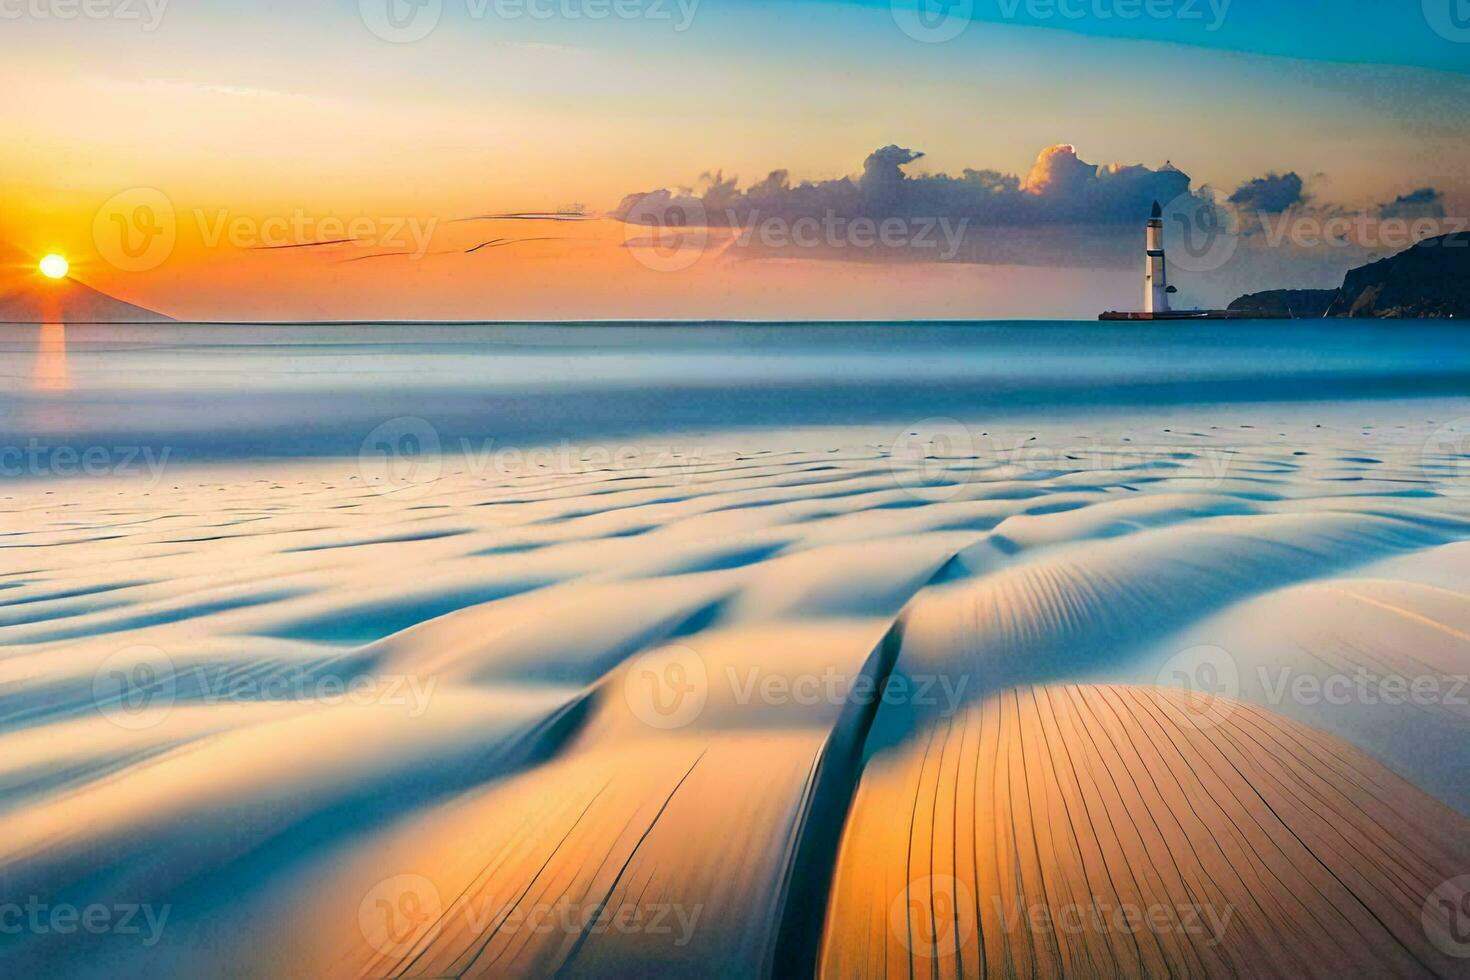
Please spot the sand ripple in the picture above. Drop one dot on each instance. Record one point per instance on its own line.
(495, 726)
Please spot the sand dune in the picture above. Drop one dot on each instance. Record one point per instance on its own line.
(1093, 830)
(815, 706)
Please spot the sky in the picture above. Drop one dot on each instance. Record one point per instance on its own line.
(194, 155)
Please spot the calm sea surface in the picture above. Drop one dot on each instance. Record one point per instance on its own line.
(221, 392)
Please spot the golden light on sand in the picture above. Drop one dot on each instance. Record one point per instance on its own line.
(54, 266)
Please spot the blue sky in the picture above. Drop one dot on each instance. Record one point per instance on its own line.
(1395, 32)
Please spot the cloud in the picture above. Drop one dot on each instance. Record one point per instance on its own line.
(1058, 171)
(1064, 212)
(1060, 189)
(1426, 202)
(1271, 194)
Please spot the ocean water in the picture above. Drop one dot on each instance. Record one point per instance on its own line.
(212, 392)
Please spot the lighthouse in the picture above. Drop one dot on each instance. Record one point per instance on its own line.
(1156, 287)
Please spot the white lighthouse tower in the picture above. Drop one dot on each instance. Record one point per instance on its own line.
(1156, 288)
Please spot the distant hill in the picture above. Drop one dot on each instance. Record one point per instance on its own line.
(1431, 279)
(1298, 303)
(68, 301)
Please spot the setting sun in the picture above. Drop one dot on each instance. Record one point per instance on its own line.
(54, 266)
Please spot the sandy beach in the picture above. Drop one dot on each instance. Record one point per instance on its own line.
(1159, 692)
